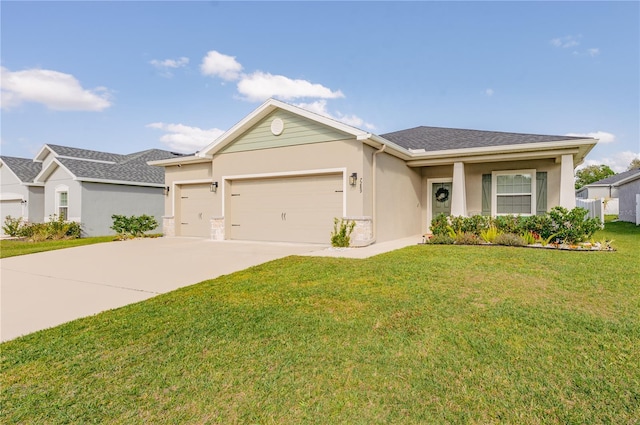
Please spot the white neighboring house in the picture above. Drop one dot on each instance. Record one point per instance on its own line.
(20, 196)
(84, 186)
(629, 196)
(606, 189)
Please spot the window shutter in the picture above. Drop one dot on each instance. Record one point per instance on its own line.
(541, 192)
(486, 194)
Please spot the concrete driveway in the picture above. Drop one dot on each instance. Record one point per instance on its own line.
(46, 289)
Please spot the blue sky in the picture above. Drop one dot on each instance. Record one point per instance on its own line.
(127, 76)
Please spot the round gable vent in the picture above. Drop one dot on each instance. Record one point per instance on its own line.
(277, 126)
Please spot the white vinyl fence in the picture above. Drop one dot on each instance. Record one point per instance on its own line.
(595, 207)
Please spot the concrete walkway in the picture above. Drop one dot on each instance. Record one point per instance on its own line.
(46, 289)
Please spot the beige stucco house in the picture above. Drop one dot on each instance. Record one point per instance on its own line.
(283, 174)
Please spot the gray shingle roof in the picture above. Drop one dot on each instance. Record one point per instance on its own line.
(440, 139)
(85, 153)
(26, 169)
(129, 168)
(615, 178)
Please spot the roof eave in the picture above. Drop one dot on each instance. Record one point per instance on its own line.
(178, 161)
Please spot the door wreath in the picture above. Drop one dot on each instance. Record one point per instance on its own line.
(442, 194)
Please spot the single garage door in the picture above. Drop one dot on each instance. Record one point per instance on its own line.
(10, 207)
(196, 210)
(292, 209)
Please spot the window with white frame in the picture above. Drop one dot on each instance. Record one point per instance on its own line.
(514, 192)
(62, 202)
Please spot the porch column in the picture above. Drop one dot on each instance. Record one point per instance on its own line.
(459, 195)
(567, 187)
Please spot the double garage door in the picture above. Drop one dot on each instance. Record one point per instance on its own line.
(291, 209)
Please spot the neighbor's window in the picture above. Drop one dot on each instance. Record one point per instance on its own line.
(63, 205)
(514, 192)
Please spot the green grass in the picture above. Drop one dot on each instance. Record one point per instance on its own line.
(427, 334)
(11, 248)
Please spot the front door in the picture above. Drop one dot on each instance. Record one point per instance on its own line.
(440, 199)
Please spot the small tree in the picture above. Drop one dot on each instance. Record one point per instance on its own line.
(635, 164)
(592, 173)
(341, 235)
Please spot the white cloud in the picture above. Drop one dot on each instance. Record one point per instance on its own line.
(566, 41)
(186, 139)
(489, 92)
(320, 108)
(618, 161)
(53, 89)
(593, 52)
(170, 63)
(216, 64)
(602, 135)
(260, 86)
(165, 66)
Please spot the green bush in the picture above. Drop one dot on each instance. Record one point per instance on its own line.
(55, 229)
(489, 235)
(134, 226)
(12, 226)
(341, 235)
(467, 238)
(572, 226)
(439, 225)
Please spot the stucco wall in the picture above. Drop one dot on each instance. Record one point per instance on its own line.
(101, 200)
(398, 199)
(627, 201)
(59, 178)
(599, 192)
(12, 188)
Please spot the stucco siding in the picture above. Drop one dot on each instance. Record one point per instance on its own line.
(297, 131)
(59, 178)
(100, 201)
(627, 200)
(11, 184)
(398, 199)
(176, 176)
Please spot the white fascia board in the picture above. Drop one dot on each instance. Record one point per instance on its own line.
(86, 159)
(43, 152)
(46, 172)
(10, 196)
(178, 161)
(493, 157)
(523, 147)
(265, 109)
(118, 182)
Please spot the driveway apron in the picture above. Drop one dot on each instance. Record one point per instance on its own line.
(42, 290)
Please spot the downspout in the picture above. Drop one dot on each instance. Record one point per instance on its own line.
(374, 222)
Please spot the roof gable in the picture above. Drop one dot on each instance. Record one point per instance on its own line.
(25, 169)
(616, 178)
(263, 111)
(294, 130)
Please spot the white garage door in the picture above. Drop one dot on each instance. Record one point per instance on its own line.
(12, 208)
(291, 209)
(196, 210)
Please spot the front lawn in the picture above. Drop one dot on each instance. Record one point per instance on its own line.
(11, 248)
(427, 334)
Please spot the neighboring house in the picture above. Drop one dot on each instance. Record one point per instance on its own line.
(629, 196)
(89, 186)
(20, 196)
(606, 189)
(284, 173)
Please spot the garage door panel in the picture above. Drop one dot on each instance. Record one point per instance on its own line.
(14, 208)
(294, 209)
(196, 210)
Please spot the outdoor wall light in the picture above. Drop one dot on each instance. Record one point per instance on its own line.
(353, 179)
(214, 187)
(166, 191)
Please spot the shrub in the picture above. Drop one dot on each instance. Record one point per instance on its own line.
(509, 223)
(541, 225)
(509, 239)
(572, 226)
(440, 240)
(467, 238)
(341, 235)
(439, 225)
(529, 238)
(12, 226)
(134, 226)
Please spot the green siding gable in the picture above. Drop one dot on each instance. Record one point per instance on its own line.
(297, 131)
